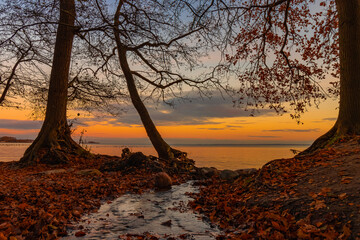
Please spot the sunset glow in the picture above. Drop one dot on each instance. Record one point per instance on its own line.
(267, 128)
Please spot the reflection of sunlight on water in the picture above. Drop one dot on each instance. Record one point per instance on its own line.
(12, 151)
(221, 157)
(136, 214)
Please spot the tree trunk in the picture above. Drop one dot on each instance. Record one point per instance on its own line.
(162, 148)
(55, 136)
(348, 122)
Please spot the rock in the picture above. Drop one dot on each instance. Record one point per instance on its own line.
(89, 172)
(125, 152)
(209, 171)
(162, 181)
(178, 154)
(228, 175)
(167, 223)
(136, 159)
(246, 172)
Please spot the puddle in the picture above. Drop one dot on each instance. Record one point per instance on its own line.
(163, 213)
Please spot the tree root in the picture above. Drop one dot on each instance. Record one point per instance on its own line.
(52, 148)
(329, 138)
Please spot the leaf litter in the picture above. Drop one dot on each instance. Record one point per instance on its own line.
(305, 197)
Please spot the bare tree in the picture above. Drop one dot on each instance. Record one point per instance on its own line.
(159, 47)
(24, 59)
(54, 138)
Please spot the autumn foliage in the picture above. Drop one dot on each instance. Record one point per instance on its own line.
(42, 202)
(283, 50)
(313, 197)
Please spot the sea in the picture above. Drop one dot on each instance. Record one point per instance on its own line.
(238, 156)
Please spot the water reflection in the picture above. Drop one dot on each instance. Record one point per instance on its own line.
(160, 213)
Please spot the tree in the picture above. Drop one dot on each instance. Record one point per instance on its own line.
(23, 59)
(290, 47)
(163, 149)
(159, 44)
(348, 121)
(55, 135)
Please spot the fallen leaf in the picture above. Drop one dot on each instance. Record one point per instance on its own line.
(346, 232)
(318, 204)
(80, 234)
(319, 224)
(2, 236)
(302, 235)
(342, 196)
(346, 180)
(308, 228)
(5, 225)
(277, 226)
(324, 191)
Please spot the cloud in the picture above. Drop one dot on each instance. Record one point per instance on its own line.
(233, 126)
(20, 124)
(193, 112)
(329, 119)
(212, 128)
(264, 136)
(293, 130)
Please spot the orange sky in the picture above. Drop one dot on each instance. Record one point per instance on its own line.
(263, 128)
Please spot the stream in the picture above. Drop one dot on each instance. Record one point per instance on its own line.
(164, 214)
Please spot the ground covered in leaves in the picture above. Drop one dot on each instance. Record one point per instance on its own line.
(306, 197)
(39, 202)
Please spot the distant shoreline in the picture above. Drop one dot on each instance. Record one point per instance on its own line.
(6, 139)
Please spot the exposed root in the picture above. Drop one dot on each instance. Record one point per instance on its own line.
(54, 157)
(178, 154)
(329, 138)
(52, 147)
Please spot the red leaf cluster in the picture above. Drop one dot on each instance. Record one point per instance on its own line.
(284, 49)
(36, 203)
(306, 197)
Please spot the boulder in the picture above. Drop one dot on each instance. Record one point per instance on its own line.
(136, 159)
(209, 171)
(125, 152)
(228, 175)
(246, 172)
(162, 181)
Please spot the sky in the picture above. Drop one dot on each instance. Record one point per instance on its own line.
(207, 121)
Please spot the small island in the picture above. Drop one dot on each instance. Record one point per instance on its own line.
(7, 139)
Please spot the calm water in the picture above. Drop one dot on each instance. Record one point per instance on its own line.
(137, 214)
(221, 157)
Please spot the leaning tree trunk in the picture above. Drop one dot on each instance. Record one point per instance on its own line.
(348, 122)
(54, 138)
(162, 148)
